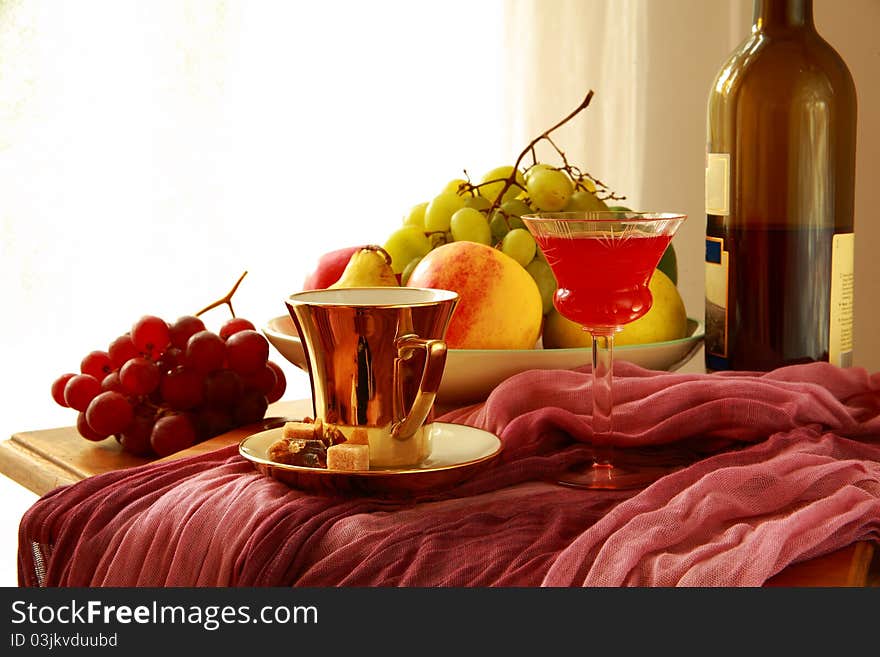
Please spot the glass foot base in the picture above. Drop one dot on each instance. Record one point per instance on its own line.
(604, 476)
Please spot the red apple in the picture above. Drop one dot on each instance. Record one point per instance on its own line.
(329, 268)
(499, 303)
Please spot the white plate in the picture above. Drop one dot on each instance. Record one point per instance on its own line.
(457, 452)
(471, 374)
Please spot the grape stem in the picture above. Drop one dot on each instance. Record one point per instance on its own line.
(227, 300)
(574, 172)
(511, 179)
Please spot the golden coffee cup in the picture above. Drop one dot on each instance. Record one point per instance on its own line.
(375, 359)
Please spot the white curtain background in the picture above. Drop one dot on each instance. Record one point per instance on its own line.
(650, 64)
(153, 150)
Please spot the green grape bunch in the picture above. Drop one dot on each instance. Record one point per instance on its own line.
(490, 211)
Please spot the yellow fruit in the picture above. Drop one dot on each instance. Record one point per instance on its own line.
(499, 304)
(535, 168)
(368, 267)
(404, 244)
(583, 201)
(416, 216)
(667, 320)
(499, 175)
(455, 185)
(562, 333)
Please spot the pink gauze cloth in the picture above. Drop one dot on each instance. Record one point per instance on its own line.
(789, 469)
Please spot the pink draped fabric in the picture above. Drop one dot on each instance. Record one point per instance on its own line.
(789, 469)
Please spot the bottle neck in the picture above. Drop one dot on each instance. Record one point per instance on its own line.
(775, 15)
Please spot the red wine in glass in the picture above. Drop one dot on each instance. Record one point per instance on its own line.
(603, 263)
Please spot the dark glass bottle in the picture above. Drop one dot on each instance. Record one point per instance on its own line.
(780, 182)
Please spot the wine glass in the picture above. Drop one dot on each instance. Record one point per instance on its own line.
(603, 262)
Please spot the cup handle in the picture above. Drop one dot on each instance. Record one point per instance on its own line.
(406, 423)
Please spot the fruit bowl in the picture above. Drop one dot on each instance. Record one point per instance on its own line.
(471, 374)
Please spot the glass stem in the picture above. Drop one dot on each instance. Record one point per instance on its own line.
(603, 344)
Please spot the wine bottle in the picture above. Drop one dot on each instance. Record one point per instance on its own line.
(780, 183)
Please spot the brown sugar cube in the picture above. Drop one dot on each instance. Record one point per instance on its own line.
(298, 431)
(359, 437)
(348, 456)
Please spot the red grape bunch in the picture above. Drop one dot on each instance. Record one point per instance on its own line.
(162, 387)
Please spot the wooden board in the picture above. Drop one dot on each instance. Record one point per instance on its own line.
(45, 459)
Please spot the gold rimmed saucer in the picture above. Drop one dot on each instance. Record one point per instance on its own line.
(457, 452)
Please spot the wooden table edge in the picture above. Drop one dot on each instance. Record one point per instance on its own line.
(852, 566)
(31, 470)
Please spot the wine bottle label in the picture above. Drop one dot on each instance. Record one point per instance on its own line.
(716, 304)
(718, 184)
(840, 340)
